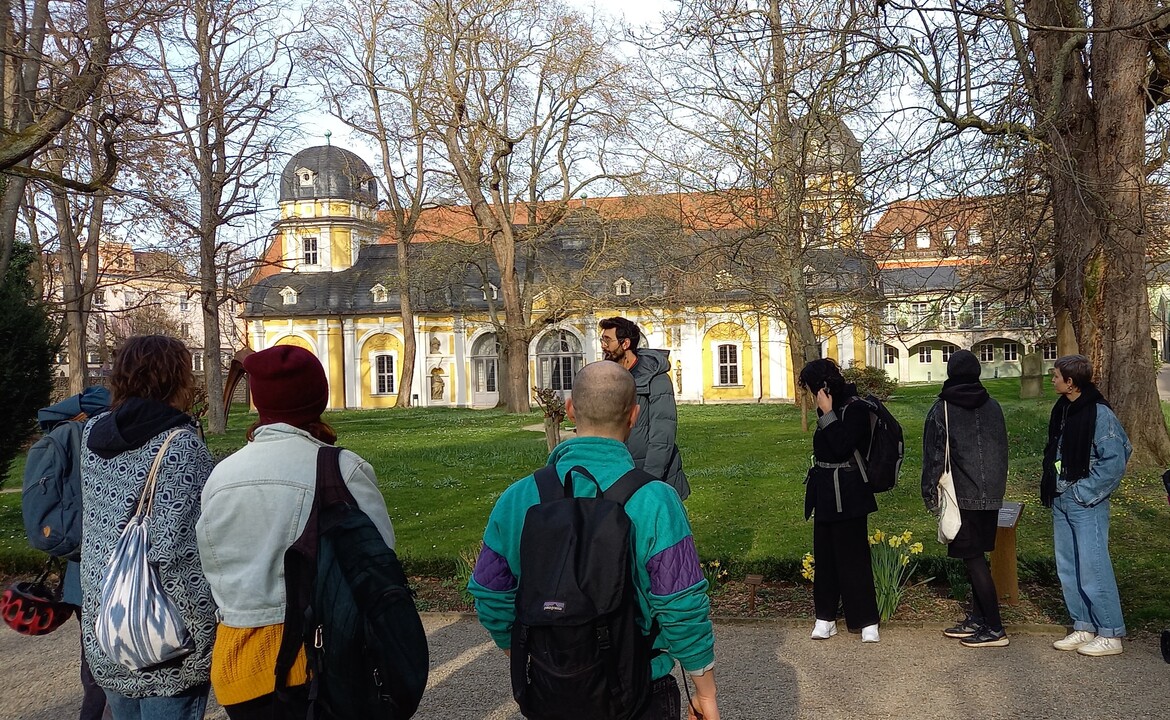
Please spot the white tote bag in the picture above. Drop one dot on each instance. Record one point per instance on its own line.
(949, 519)
(137, 624)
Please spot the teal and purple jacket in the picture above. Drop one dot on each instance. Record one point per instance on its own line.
(670, 582)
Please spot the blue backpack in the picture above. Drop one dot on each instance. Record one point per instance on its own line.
(51, 498)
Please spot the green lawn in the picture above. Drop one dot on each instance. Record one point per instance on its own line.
(441, 471)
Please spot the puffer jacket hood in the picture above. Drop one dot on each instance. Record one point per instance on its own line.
(652, 439)
(651, 363)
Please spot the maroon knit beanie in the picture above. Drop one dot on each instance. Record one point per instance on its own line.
(288, 385)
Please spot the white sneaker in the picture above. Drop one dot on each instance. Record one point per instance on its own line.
(1074, 640)
(869, 633)
(824, 629)
(1101, 646)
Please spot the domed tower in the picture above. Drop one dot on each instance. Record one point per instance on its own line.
(327, 200)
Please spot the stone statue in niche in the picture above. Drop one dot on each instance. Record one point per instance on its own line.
(678, 377)
(437, 384)
(436, 346)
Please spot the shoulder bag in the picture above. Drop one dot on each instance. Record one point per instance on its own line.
(137, 624)
(949, 519)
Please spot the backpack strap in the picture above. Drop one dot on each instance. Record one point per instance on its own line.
(624, 487)
(300, 572)
(548, 483)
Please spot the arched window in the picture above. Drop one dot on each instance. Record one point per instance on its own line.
(558, 358)
(485, 369)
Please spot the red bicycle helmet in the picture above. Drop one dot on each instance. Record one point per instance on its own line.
(34, 608)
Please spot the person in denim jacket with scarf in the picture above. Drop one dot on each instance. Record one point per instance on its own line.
(1084, 460)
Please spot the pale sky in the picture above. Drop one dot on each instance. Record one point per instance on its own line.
(315, 122)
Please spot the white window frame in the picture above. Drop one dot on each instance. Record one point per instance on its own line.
(1011, 352)
(312, 256)
(184, 302)
(376, 374)
(380, 294)
(925, 354)
(890, 355)
(897, 240)
(979, 310)
(289, 295)
(986, 352)
(947, 351)
(919, 312)
(717, 365)
(948, 236)
(922, 239)
(891, 313)
(93, 357)
(495, 292)
(197, 361)
(950, 313)
(1050, 351)
(621, 287)
(974, 236)
(185, 330)
(99, 298)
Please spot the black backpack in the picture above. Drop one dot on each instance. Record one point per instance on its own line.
(883, 463)
(577, 650)
(351, 608)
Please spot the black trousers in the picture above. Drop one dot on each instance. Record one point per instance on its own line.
(844, 575)
(665, 700)
(266, 707)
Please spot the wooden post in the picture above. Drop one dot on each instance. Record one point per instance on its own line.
(1004, 570)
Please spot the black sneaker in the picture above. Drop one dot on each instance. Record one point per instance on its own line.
(964, 629)
(986, 637)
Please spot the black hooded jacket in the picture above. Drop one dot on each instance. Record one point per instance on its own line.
(979, 447)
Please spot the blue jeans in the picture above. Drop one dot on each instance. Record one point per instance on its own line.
(188, 706)
(1081, 542)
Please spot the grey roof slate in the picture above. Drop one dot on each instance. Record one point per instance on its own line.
(338, 174)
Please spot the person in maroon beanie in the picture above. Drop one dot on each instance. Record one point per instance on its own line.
(255, 505)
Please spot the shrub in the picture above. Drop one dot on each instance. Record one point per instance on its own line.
(26, 356)
(871, 380)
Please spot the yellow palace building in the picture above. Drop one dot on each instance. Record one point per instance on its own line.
(328, 284)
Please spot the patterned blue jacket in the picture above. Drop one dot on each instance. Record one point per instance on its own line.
(110, 492)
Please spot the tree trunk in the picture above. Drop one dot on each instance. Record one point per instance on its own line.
(1097, 182)
(409, 342)
(552, 432)
(515, 347)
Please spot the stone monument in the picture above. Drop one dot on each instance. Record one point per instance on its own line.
(1032, 375)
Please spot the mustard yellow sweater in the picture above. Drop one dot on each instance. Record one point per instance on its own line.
(243, 663)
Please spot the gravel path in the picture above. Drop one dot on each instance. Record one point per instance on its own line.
(766, 671)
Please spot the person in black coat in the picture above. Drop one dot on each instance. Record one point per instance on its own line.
(839, 501)
(979, 465)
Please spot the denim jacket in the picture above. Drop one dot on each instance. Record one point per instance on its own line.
(979, 454)
(255, 505)
(1111, 451)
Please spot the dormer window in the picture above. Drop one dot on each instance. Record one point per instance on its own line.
(974, 237)
(922, 239)
(949, 237)
(380, 294)
(306, 176)
(897, 241)
(621, 287)
(494, 290)
(289, 295)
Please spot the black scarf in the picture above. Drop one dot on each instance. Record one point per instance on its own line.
(132, 424)
(964, 392)
(1070, 427)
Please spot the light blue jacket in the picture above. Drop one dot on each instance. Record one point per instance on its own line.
(1107, 460)
(255, 505)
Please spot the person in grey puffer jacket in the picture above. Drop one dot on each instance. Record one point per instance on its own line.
(979, 464)
(652, 439)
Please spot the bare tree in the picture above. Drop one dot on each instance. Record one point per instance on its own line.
(752, 100)
(1091, 75)
(523, 96)
(367, 56)
(40, 94)
(222, 71)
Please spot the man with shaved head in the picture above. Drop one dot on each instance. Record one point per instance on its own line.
(671, 590)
